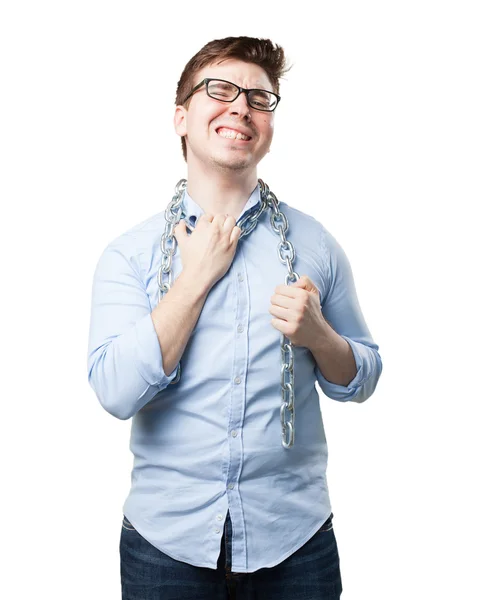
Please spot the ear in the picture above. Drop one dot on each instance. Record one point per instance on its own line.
(180, 120)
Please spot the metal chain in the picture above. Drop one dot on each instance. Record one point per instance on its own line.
(174, 212)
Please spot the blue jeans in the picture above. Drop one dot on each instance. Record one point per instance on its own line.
(310, 573)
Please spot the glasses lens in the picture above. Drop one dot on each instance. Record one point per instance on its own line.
(262, 100)
(222, 90)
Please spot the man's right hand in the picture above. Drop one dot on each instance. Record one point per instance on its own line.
(209, 250)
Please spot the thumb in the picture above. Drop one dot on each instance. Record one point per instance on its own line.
(305, 282)
(180, 231)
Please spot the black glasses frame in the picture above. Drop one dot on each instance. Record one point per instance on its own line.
(240, 90)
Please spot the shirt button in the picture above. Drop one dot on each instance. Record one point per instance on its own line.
(219, 517)
(240, 328)
(217, 530)
(237, 379)
(234, 433)
(240, 277)
(231, 486)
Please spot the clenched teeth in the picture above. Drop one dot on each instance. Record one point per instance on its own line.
(229, 133)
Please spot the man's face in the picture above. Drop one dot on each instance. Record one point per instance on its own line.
(205, 116)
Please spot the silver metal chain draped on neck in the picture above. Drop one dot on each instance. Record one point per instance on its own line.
(174, 212)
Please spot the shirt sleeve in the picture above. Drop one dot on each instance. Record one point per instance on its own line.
(341, 309)
(125, 363)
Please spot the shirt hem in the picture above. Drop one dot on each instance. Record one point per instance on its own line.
(287, 554)
(273, 563)
(174, 556)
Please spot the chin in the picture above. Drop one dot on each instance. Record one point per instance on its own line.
(237, 163)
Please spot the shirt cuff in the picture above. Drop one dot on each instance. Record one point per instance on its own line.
(342, 392)
(148, 355)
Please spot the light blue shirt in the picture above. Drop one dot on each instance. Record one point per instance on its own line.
(212, 442)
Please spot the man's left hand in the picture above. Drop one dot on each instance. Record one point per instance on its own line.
(297, 312)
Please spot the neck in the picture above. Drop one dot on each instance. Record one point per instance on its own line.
(221, 191)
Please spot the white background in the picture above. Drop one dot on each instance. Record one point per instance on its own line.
(376, 136)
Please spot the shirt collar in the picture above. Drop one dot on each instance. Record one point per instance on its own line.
(193, 211)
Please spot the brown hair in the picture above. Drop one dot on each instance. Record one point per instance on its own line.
(261, 52)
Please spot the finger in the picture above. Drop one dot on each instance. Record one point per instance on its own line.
(235, 234)
(287, 290)
(229, 221)
(180, 230)
(206, 217)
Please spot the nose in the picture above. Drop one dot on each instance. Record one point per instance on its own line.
(240, 107)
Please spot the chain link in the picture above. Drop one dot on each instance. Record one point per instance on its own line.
(174, 212)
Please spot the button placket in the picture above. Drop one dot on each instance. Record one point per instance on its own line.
(237, 398)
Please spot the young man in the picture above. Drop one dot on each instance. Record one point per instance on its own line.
(229, 495)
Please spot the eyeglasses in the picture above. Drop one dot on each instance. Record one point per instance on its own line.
(225, 91)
